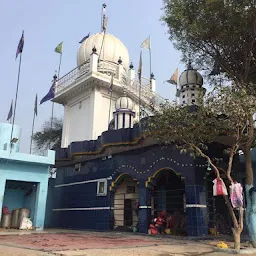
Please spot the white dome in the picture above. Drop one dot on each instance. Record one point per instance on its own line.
(112, 49)
(190, 76)
(124, 102)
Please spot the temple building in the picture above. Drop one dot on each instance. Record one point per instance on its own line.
(109, 176)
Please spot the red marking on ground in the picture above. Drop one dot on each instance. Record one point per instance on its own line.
(56, 242)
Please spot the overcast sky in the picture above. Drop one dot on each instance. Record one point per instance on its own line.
(47, 23)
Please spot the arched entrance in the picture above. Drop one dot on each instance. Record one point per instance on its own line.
(125, 201)
(168, 194)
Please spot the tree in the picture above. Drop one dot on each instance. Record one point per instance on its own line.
(49, 138)
(223, 118)
(219, 34)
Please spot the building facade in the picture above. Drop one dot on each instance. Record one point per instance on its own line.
(23, 177)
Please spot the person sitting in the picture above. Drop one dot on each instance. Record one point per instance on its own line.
(160, 222)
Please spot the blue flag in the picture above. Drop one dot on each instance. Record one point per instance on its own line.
(50, 95)
(10, 113)
(84, 38)
(20, 45)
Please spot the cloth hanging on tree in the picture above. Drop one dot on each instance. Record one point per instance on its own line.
(219, 187)
(236, 195)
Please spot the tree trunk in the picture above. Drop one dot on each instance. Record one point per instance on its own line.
(248, 166)
(237, 238)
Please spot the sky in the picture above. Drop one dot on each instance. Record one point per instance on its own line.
(47, 23)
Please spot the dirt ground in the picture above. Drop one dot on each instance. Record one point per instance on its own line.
(69, 243)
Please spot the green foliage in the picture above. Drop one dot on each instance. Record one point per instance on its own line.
(49, 139)
(222, 118)
(218, 32)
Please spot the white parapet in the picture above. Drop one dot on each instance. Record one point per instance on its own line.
(94, 62)
(153, 84)
(131, 76)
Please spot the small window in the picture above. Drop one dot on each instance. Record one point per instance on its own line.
(184, 102)
(193, 95)
(77, 167)
(183, 96)
(193, 101)
(192, 89)
(102, 188)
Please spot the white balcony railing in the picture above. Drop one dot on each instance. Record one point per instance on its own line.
(149, 99)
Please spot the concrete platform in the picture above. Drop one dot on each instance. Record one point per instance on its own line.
(69, 243)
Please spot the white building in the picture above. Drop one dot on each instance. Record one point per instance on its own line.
(89, 106)
(84, 91)
(191, 86)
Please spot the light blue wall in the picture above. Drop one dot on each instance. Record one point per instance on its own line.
(25, 167)
(29, 173)
(5, 136)
(14, 198)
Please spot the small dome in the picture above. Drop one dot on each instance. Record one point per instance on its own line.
(124, 102)
(190, 76)
(112, 49)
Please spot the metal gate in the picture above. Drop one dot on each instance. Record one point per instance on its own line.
(173, 202)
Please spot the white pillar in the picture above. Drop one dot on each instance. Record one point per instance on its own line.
(131, 75)
(153, 84)
(94, 61)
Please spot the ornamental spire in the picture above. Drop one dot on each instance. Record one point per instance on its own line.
(104, 18)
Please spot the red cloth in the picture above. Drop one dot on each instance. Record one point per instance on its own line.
(5, 210)
(160, 220)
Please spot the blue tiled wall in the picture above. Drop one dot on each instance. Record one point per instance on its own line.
(197, 220)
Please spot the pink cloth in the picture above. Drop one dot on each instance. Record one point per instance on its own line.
(236, 195)
(219, 187)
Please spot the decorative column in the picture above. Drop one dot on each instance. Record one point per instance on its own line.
(94, 60)
(196, 210)
(152, 82)
(144, 207)
(40, 205)
(2, 190)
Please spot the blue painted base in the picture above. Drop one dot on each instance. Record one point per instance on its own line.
(197, 222)
(197, 218)
(92, 220)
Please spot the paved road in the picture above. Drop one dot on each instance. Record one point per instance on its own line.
(71, 243)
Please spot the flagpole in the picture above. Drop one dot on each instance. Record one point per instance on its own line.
(16, 97)
(150, 63)
(53, 104)
(32, 133)
(110, 101)
(59, 66)
(140, 100)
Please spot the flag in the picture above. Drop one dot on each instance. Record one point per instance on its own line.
(50, 95)
(35, 107)
(20, 45)
(140, 68)
(146, 43)
(110, 89)
(84, 38)
(58, 49)
(10, 113)
(174, 77)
